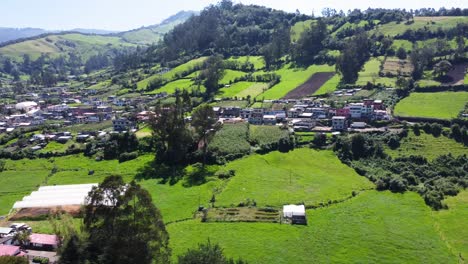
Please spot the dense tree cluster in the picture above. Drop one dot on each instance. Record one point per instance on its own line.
(433, 180)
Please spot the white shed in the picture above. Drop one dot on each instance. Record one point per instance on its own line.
(293, 210)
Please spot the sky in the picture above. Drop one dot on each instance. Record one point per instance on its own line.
(121, 15)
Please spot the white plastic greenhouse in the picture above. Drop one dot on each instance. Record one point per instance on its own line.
(59, 195)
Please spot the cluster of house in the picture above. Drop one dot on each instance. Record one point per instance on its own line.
(33, 246)
(305, 113)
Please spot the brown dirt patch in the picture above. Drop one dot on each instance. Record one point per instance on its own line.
(31, 213)
(457, 74)
(397, 67)
(310, 86)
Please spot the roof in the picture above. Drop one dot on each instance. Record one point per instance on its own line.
(7, 250)
(339, 117)
(5, 230)
(43, 239)
(292, 209)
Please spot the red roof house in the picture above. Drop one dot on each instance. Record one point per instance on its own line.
(43, 241)
(8, 250)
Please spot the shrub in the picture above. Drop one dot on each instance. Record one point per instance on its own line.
(41, 260)
(126, 156)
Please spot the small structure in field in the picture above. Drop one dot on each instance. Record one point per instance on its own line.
(43, 241)
(295, 213)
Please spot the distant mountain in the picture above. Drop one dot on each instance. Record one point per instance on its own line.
(8, 34)
(83, 42)
(93, 31)
(151, 34)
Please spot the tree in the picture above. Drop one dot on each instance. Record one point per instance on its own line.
(206, 253)
(320, 139)
(170, 133)
(401, 53)
(205, 123)
(442, 68)
(353, 57)
(420, 58)
(456, 132)
(212, 73)
(310, 43)
(22, 238)
(123, 225)
(358, 146)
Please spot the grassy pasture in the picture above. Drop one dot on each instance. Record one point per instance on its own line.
(173, 73)
(253, 90)
(230, 76)
(370, 73)
(442, 105)
(257, 61)
(181, 84)
(234, 89)
(374, 227)
(302, 175)
(452, 223)
(329, 86)
(291, 78)
(427, 145)
(393, 28)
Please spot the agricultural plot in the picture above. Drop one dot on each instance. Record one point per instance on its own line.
(395, 67)
(374, 227)
(457, 74)
(234, 89)
(253, 90)
(427, 145)
(442, 105)
(231, 141)
(180, 84)
(402, 43)
(452, 223)
(230, 76)
(393, 28)
(310, 86)
(302, 175)
(257, 61)
(266, 135)
(178, 72)
(292, 78)
(370, 73)
(329, 86)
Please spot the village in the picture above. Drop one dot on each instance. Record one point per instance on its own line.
(121, 115)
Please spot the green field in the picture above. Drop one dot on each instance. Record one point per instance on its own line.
(452, 223)
(442, 105)
(466, 79)
(55, 45)
(291, 78)
(393, 28)
(370, 73)
(374, 227)
(253, 91)
(173, 73)
(329, 86)
(428, 146)
(302, 175)
(234, 89)
(257, 61)
(230, 76)
(406, 44)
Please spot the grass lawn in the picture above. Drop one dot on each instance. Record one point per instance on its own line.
(143, 132)
(257, 61)
(466, 79)
(234, 89)
(427, 145)
(291, 78)
(374, 227)
(329, 86)
(442, 105)
(181, 84)
(393, 29)
(452, 223)
(171, 75)
(302, 175)
(231, 103)
(406, 44)
(254, 90)
(370, 73)
(57, 147)
(230, 76)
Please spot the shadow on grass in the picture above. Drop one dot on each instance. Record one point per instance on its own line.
(166, 174)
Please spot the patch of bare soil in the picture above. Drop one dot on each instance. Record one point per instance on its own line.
(310, 86)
